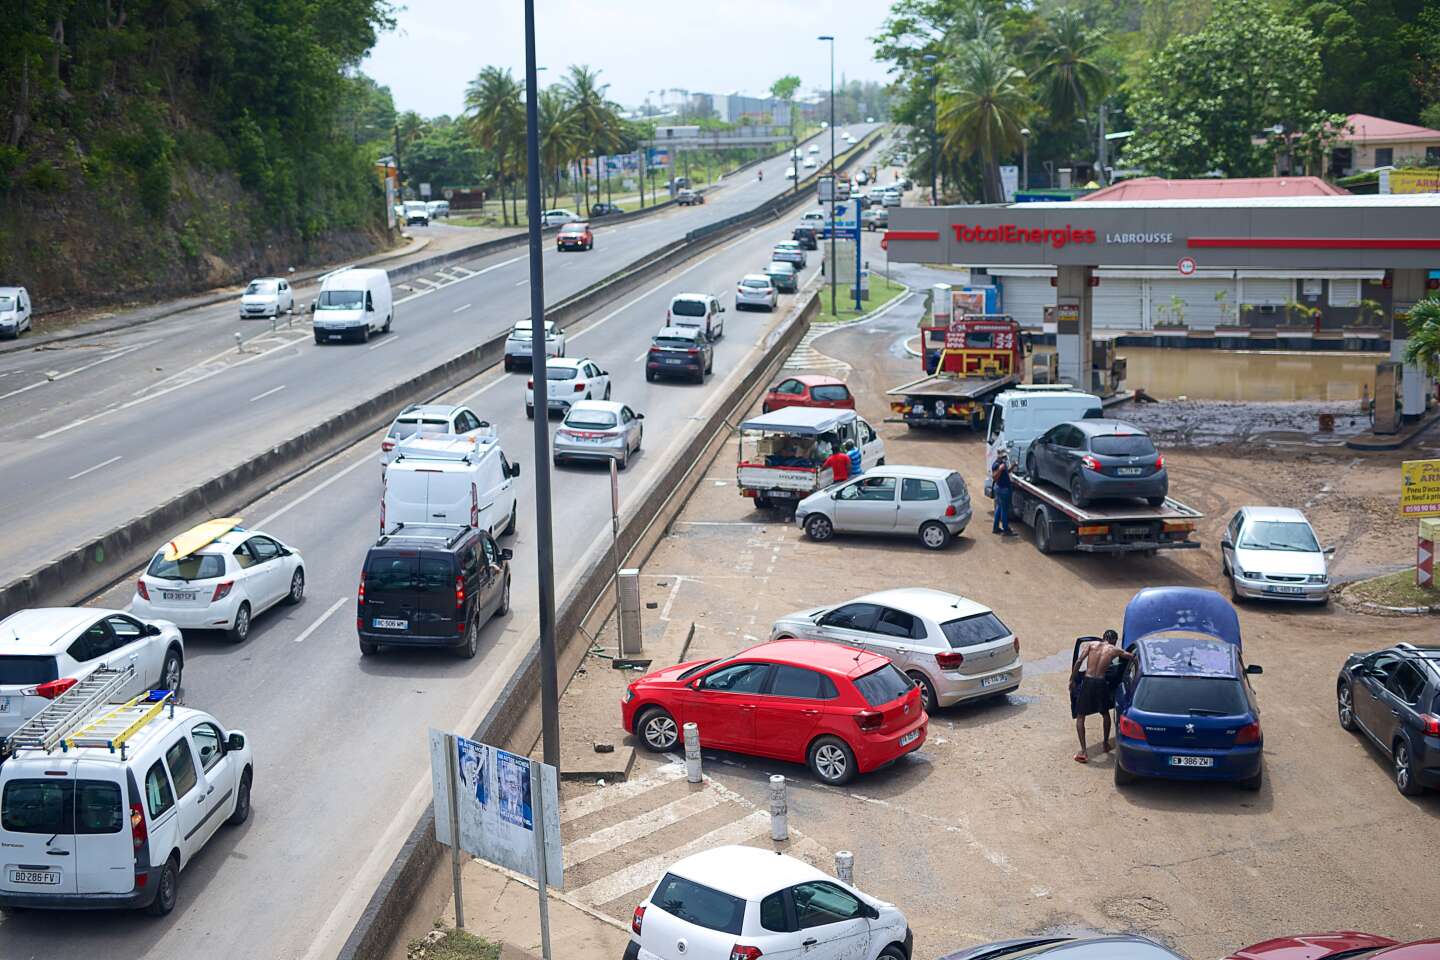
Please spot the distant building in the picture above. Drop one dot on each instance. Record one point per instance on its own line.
(1155, 188)
(1371, 142)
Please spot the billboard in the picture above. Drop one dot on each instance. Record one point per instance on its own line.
(657, 156)
(1420, 489)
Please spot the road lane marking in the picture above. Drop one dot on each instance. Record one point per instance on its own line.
(642, 356)
(321, 619)
(523, 282)
(651, 292)
(70, 373)
(390, 339)
(492, 384)
(461, 309)
(262, 396)
(77, 476)
(588, 803)
(610, 838)
(310, 493)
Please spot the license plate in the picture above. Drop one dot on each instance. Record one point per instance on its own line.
(391, 624)
(1284, 590)
(909, 738)
(1129, 471)
(1192, 761)
(51, 877)
(1134, 531)
(4, 704)
(673, 360)
(176, 595)
(994, 681)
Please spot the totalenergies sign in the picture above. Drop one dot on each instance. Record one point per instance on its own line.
(1056, 237)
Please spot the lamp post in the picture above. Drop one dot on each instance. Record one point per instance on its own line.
(929, 60)
(834, 268)
(1024, 157)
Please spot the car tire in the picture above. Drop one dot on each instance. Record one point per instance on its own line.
(529, 413)
(934, 535)
(1123, 777)
(368, 648)
(1404, 769)
(241, 813)
(509, 365)
(503, 607)
(764, 408)
(607, 391)
(1042, 532)
(1155, 501)
(240, 630)
(819, 528)
(172, 672)
(509, 530)
(700, 375)
(388, 320)
(831, 760)
(762, 502)
(471, 646)
(1030, 470)
(1235, 597)
(657, 729)
(318, 339)
(365, 333)
(650, 376)
(928, 700)
(166, 889)
(297, 588)
(1077, 495)
(624, 459)
(1345, 707)
(1253, 784)
(893, 952)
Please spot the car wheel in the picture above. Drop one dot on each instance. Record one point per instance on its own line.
(624, 458)
(658, 730)
(365, 333)
(241, 813)
(318, 339)
(1235, 597)
(762, 502)
(1042, 532)
(509, 530)
(1077, 493)
(509, 365)
(369, 648)
(1253, 784)
(173, 670)
(1405, 780)
(892, 952)
(607, 391)
(1123, 776)
(166, 890)
(819, 528)
(934, 535)
(471, 646)
(297, 587)
(504, 606)
(832, 760)
(388, 320)
(764, 408)
(529, 412)
(928, 700)
(1345, 707)
(1155, 501)
(1030, 466)
(241, 628)
(650, 376)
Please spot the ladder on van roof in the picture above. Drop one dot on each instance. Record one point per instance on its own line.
(58, 718)
(113, 728)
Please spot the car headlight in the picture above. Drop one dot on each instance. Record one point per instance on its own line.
(1319, 578)
(1245, 575)
(629, 694)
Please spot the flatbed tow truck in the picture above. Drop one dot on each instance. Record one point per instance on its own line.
(1122, 526)
(982, 355)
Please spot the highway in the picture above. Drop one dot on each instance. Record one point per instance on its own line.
(96, 431)
(341, 761)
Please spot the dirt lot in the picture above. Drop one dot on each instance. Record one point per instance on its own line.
(991, 831)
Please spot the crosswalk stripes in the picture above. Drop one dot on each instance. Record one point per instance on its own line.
(610, 838)
(589, 803)
(806, 357)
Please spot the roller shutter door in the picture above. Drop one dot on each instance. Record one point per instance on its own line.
(1025, 299)
(1202, 310)
(1116, 304)
(1273, 292)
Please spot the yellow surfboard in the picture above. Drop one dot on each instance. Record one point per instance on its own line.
(200, 535)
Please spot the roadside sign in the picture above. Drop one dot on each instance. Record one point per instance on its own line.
(826, 186)
(1420, 489)
(425, 191)
(1186, 266)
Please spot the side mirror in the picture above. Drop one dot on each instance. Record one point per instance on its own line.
(236, 741)
(1254, 670)
(1329, 551)
(604, 373)
(151, 630)
(722, 309)
(1225, 542)
(312, 306)
(695, 684)
(639, 416)
(507, 554)
(514, 470)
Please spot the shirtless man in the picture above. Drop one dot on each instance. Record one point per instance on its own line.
(1093, 695)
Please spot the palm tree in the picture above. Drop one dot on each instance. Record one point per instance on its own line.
(1423, 346)
(557, 135)
(595, 119)
(982, 103)
(1066, 75)
(497, 122)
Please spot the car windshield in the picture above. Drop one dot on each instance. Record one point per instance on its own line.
(197, 566)
(561, 373)
(7, 303)
(1279, 535)
(883, 686)
(756, 284)
(401, 429)
(1123, 445)
(674, 343)
(830, 393)
(974, 630)
(26, 671)
(698, 904)
(688, 308)
(340, 300)
(262, 286)
(591, 419)
(1191, 696)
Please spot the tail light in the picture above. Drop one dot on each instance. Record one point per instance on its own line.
(950, 511)
(459, 592)
(387, 445)
(51, 689)
(1129, 728)
(739, 952)
(141, 589)
(638, 920)
(1250, 733)
(360, 593)
(1017, 646)
(949, 661)
(1431, 725)
(865, 720)
(1159, 461)
(693, 353)
(138, 832)
(530, 384)
(1090, 463)
(579, 388)
(222, 590)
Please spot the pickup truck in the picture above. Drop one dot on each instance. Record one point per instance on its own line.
(780, 460)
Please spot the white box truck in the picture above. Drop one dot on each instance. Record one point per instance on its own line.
(450, 480)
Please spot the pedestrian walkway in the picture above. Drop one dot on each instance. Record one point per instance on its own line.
(808, 359)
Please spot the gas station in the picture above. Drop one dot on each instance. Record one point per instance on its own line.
(1389, 241)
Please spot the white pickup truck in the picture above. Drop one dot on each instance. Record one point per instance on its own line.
(782, 453)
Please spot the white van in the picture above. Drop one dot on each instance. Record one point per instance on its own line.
(14, 311)
(84, 826)
(352, 305)
(450, 480)
(1021, 414)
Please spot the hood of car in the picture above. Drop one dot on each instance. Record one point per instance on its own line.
(1279, 563)
(259, 297)
(669, 674)
(804, 617)
(1311, 946)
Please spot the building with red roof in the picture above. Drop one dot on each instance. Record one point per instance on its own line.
(1237, 188)
(1369, 142)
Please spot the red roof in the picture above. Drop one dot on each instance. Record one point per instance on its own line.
(1154, 188)
(1367, 129)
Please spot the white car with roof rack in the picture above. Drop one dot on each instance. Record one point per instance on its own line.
(569, 380)
(460, 480)
(108, 797)
(46, 651)
(219, 576)
(430, 420)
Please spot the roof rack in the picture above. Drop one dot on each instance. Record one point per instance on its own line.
(460, 530)
(61, 716)
(113, 728)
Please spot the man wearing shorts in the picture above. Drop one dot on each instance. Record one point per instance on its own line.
(1093, 694)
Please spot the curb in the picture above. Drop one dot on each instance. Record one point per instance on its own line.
(875, 314)
(1399, 441)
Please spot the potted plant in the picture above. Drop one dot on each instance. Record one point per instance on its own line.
(1171, 316)
(1368, 314)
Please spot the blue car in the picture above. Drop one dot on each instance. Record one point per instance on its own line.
(1185, 707)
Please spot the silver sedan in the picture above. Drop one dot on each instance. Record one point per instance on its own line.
(599, 430)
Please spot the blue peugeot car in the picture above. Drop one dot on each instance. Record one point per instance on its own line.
(1185, 707)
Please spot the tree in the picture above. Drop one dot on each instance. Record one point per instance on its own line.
(1367, 52)
(596, 120)
(982, 105)
(1066, 74)
(557, 135)
(1423, 346)
(785, 89)
(1207, 96)
(497, 121)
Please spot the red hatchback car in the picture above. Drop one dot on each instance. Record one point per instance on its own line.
(810, 390)
(839, 710)
(1346, 944)
(575, 236)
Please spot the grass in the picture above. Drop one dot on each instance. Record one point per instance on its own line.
(454, 945)
(882, 291)
(1394, 590)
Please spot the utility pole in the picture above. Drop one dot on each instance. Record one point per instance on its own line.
(1024, 159)
(834, 182)
(930, 75)
(399, 173)
(1100, 177)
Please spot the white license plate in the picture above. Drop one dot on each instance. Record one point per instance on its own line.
(176, 595)
(1192, 761)
(51, 877)
(5, 704)
(1284, 590)
(995, 681)
(391, 624)
(673, 360)
(909, 738)
(1129, 471)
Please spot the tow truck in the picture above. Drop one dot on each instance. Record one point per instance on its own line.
(1119, 526)
(980, 355)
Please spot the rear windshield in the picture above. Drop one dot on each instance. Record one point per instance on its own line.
(756, 284)
(956, 485)
(830, 393)
(520, 333)
(63, 807)
(401, 429)
(883, 686)
(1123, 445)
(780, 266)
(675, 343)
(688, 308)
(398, 573)
(561, 373)
(700, 905)
(18, 671)
(590, 419)
(197, 566)
(340, 300)
(973, 631)
(1199, 696)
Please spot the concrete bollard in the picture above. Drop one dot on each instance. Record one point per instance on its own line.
(238, 347)
(779, 810)
(692, 753)
(845, 866)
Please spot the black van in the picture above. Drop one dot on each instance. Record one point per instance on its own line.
(431, 585)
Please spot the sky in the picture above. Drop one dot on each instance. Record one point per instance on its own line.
(714, 46)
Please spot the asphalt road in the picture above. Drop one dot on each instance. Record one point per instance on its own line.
(341, 761)
(97, 431)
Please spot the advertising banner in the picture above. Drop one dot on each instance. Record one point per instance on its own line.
(1420, 489)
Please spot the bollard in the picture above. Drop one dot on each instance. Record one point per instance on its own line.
(692, 753)
(238, 347)
(779, 810)
(273, 320)
(845, 866)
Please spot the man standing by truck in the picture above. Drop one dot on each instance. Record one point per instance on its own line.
(1000, 481)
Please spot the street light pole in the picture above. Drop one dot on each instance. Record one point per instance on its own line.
(929, 60)
(1024, 158)
(544, 536)
(834, 184)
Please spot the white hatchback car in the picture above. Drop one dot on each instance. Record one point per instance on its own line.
(557, 218)
(46, 651)
(267, 297)
(430, 419)
(517, 343)
(569, 382)
(745, 903)
(755, 290)
(223, 585)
